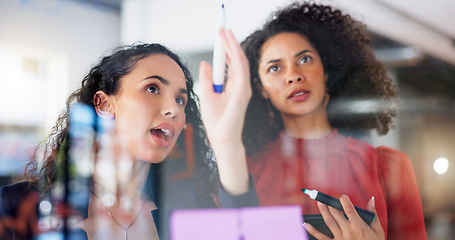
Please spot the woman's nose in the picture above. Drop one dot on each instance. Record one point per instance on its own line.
(293, 76)
(291, 80)
(170, 109)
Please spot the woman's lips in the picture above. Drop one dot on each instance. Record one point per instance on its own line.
(162, 134)
(299, 95)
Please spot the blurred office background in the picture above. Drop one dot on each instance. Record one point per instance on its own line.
(47, 46)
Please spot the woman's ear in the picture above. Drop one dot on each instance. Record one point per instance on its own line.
(260, 88)
(103, 105)
(326, 100)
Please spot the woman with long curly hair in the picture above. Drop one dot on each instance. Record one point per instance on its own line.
(147, 92)
(306, 64)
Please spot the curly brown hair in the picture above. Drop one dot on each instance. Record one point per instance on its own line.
(106, 76)
(352, 69)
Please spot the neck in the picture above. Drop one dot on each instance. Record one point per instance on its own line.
(122, 201)
(127, 180)
(310, 126)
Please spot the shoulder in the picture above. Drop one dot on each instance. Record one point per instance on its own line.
(387, 158)
(383, 153)
(11, 196)
(392, 158)
(358, 147)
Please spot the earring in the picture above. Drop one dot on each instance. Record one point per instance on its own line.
(96, 100)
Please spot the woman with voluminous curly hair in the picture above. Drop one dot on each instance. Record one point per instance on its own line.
(147, 92)
(308, 66)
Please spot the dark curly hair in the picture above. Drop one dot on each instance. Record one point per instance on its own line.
(352, 69)
(106, 76)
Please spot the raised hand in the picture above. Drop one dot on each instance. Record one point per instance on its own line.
(223, 114)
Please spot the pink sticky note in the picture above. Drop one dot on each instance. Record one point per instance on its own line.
(281, 222)
(253, 223)
(204, 224)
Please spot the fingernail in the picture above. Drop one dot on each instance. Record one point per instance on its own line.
(305, 225)
(372, 201)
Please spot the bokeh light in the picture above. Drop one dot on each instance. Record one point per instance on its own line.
(441, 165)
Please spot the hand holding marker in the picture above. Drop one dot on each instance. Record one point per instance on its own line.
(367, 216)
(219, 57)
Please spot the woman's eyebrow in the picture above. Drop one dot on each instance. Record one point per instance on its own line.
(273, 61)
(302, 52)
(297, 55)
(184, 91)
(159, 78)
(165, 82)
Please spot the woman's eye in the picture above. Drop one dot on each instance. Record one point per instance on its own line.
(180, 101)
(153, 89)
(304, 59)
(273, 69)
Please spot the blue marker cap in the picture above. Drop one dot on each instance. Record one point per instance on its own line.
(217, 88)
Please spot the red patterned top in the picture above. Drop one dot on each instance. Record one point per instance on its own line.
(337, 165)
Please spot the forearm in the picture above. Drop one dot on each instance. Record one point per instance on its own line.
(232, 168)
(248, 199)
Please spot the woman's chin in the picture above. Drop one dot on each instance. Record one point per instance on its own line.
(148, 153)
(152, 156)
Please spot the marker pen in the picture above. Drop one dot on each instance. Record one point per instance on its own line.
(219, 57)
(366, 215)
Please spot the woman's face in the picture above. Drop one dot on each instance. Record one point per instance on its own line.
(292, 75)
(149, 107)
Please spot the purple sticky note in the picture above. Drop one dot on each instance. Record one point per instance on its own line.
(204, 224)
(253, 223)
(281, 222)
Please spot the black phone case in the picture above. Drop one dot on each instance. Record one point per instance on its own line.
(317, 222)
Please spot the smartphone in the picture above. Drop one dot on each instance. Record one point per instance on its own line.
(317, 221)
